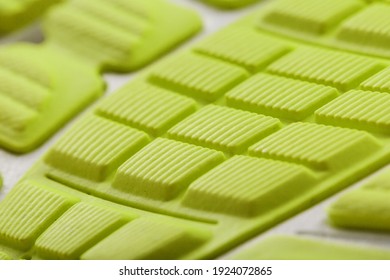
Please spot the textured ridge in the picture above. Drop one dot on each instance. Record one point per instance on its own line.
(4, 256)
(358, 109)
(279, 97)
(341, 70)
(244, 47)
(247, 186)
(197, 76)
(317, 146)
(95, 147)
(146, 239)
(370, 27)
(147, 107)
(8, 118)
(78, 229)
(224, 129)
(27, 211)
(164, 168)
(378, 82)
(311, 16)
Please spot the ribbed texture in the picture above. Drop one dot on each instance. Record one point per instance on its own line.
(333, 68)
(317, 146)
(77, 230)
(145, 239)
(246, 186)
(95, 147)
(358, 109)
(26, 212)
(147, 107)
(164, 168)
(22, 66)
(244, 47)
(230, 4)
(280, 97)
(224, 128)
(371, 27)
(197, 76)
(108, 29)
(14, 115)
(25, 91)
(378, 82)
(312, 16)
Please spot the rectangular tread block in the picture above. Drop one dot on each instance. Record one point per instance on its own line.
(120, 35)
(27, 211)
(197, 76)
(164, 168)
(333, 68)
(225, 129)
(244, 47)
(146, 107)
(358, 109)
(95, 147)
(280, 97)
(247, 186)
(379, 82)
(368, 28)
(317, 146)
(314, 17)
(282, 247)
(144, 239)
(81, 227)
(366, 208)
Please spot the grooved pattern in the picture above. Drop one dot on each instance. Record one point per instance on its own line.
(197, 76)
(225, 129)
(279, 97)
(370, 27)
(164, 168)
(81, 227)
(378, 82)
(27, 211)
(12, 120)
(247, 186)
(146, 239)
(317, 146)
(244, 47)
(147, 107)
(95, 147)
(341, 70)
(358, 109)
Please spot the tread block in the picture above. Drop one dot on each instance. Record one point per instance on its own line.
(225, 129)
(314, 17)
(117, 34)
(164, 168)
(9, 119)
(363, 110)
(95, 148)
(368, 28)
(379, 82)
(279, 96)
(146, 107)
(27, 211)
(317, 146)
(297, 248)
(333, 68)
(247, 186)
(365, 208)
(197, 76)
(147, 239)
(245, 47)
(81, 227)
